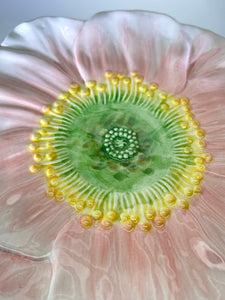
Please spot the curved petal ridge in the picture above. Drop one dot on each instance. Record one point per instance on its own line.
(166, 264)
(23, 279)
(14, 117)
(155, 45)
(29, 220)
(53, 37)
(206, 90)
(209, 208)
(37, 62)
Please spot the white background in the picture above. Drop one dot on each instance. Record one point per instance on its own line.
(209, 14)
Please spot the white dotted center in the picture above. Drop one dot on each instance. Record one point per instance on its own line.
(120, 143)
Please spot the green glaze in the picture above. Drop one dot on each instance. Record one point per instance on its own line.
(84, 145)
(116, 146)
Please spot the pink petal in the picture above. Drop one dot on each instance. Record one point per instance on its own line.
(179, 262)
(209, 209)
(206, 90)
(22, 279)
(37, 62)
(13, 117)
(29, 220)
(154, 44)
(50, 38)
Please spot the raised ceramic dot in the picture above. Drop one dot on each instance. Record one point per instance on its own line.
(153, 86)
(59, 196)
(109, 74)
(187, 150)
(85, 92)
(134, 73)
(170, 199)
(54, 181)
(199, 160)
(207, 157)
(150, 214)
(184, 101)
(90, 203)
(32, 147)
(126, 80)
(101, 87)
(37, 157)
(50, 156)
(183, 203)
(80, 205)
(106, 224)
(90, 84)
(86, 221)
(35, 137)
(97, 214)
(129, 225)
(124, 217)
(50, 192)
(184, 125)
(115, 81)
(143, 88)
(159, 221)
(174, 101)
(197, 189)
(146, 226)
(112, 215)
(138, 79)
(165, 212)
(200, 133)
(44, 122)
(34, 169)
(134, 218)
(188, 191)
(163, 96)
(164, 106)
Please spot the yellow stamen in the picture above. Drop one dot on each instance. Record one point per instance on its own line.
(97, 214)
(100, 87)
(126, 80)
(109, 74)
(106, 224)
(146, 226)
(85, 92)
(80, 205)
(86, 221)
(129, 225)
(90, 84)
(59, 196)
(34, 169)
(165, 212)
(150, 214)
(170, 199)
(143, 88)
(153, 86)
(112, 216)
(50, 192)
(184, 204)
(159, 221)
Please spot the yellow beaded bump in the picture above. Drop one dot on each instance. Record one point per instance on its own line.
(86, 221)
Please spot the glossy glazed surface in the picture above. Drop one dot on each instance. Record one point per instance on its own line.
(184, 260)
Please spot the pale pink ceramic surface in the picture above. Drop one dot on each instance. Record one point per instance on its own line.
(45, 254)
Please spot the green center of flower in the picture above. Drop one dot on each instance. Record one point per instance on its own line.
(120, 150)
(120, 143)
